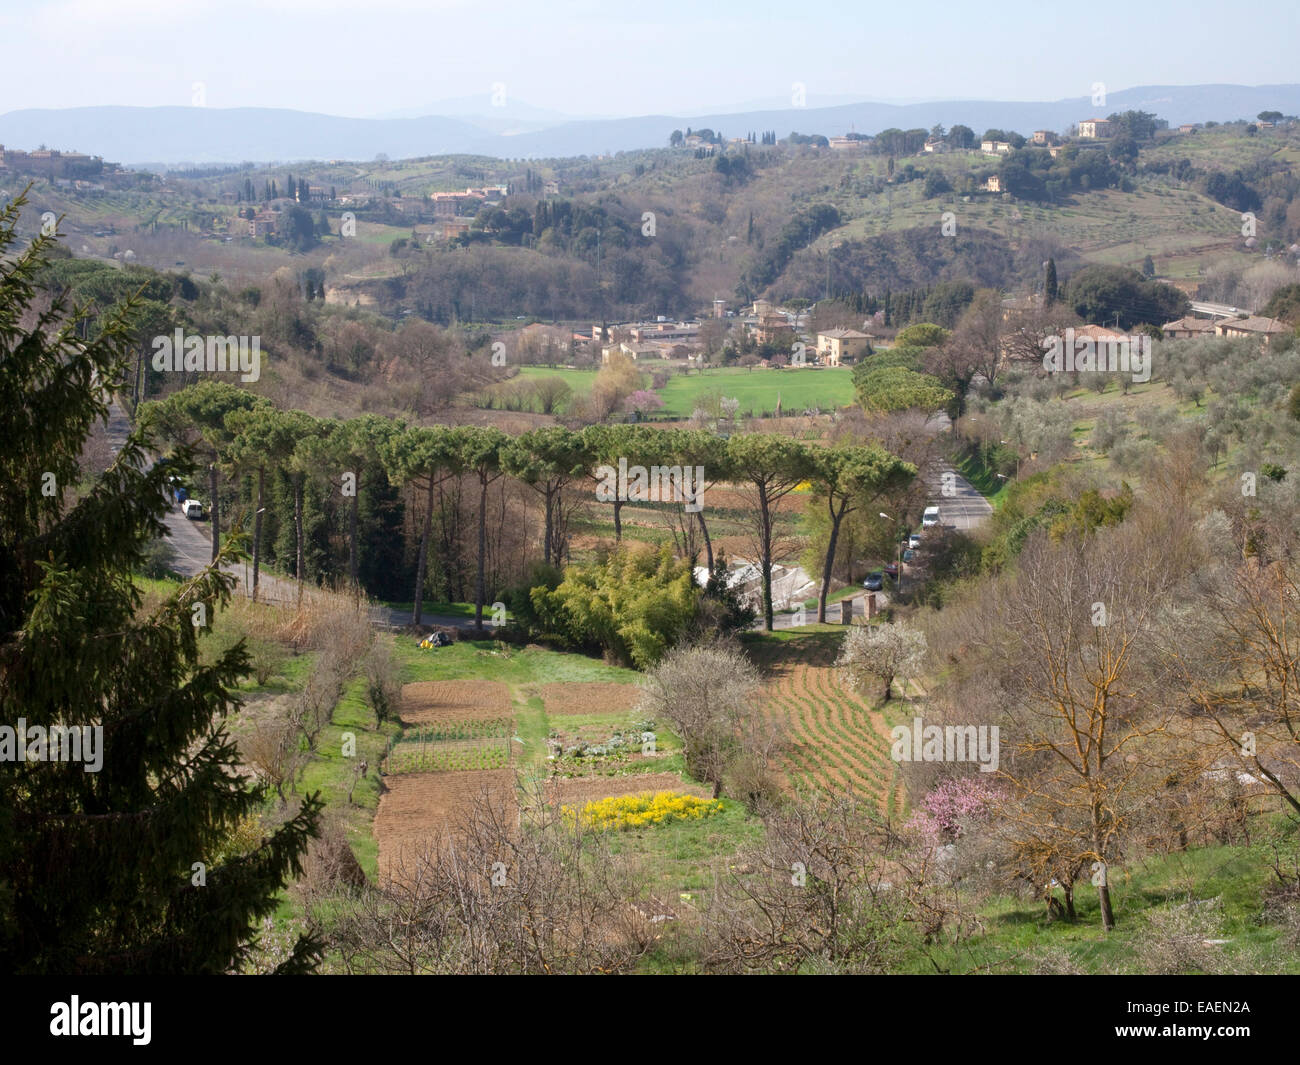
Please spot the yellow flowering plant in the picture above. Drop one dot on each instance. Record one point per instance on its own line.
(638, 811)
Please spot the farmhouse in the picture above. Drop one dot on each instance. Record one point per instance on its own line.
(1094, 128)
(454, 227)
(1188, 328)
(644, 331)
(995, 147)
(1098, 332)
(836, 345)
(772, 326)
(1265, 329)
(631, 351)
(262, 224)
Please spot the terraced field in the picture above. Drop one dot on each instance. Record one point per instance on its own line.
(833, 742)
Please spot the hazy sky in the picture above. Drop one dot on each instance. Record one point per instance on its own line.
(369, 57)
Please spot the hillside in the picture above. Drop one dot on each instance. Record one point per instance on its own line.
(677, 231)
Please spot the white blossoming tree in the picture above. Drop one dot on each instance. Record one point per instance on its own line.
(880, 653)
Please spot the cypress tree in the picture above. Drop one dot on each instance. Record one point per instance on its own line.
(1050, 291)
(125, 869)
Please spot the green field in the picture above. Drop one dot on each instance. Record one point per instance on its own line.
(758, 390)
(578, 380)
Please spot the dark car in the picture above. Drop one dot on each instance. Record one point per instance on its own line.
(875, 581)
(891, 570)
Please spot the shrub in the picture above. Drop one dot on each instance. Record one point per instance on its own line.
(158, 562)
(634, 605)
(640, 811)
(383, 680)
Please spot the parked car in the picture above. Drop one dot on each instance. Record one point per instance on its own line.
(875, 581)
(192, 509)
(909, 556)
(891, 570)
(914, 541)
(930, 518)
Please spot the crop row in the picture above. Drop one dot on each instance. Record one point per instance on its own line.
(446, 758)
(488, 728)
(834, 743)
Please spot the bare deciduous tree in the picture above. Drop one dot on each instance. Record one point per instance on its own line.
(500, 893)
(831, 889)
(1072, 638)
(709, 695)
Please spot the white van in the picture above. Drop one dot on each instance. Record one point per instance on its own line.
(192, 509)
(930, 518)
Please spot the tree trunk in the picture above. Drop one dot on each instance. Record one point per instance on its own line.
(297, 531)
(1107, 914)
(830, 561)
(257, 529)
(353, 520)
(479, 592)
(1103, 888)
(423, 561)
(135, 391)
(708, 543)
(559, 533)
(618, 520)
(213, 511)
(765, 558)
(546, 535)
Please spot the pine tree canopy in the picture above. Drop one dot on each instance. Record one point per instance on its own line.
(127, 869)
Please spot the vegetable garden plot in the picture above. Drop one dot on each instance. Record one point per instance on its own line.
(417, 809)
(588, 697)
(426, 702)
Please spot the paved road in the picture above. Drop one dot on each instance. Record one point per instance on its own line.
(1218, 310)
(960, 504)
(190, 543)
(191, 546)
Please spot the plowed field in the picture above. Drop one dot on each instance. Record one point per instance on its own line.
(417, 808)
(589, 697)
(444, 700)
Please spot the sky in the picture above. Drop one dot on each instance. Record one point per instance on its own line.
(584, 58)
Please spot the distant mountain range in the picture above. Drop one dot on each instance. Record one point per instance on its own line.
(169, 136)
